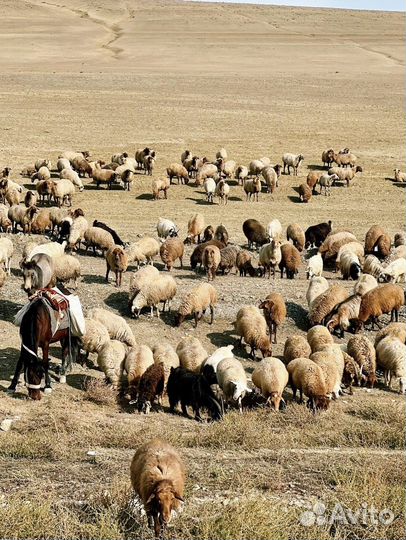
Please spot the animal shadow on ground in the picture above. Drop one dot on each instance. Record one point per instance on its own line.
(298, 314)
(118, 300)
(316, 167)
(8, 310)
(294, 199)
(221, 339)
(193, 275)
(93, 278)
(8, 362)
(146, 197)
(77, 380)
(235, 198)
(203, 202)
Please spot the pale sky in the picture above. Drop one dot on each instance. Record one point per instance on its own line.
(381, 5)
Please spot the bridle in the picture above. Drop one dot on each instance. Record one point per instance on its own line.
(27, 384)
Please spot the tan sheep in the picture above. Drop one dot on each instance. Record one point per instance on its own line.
(137, 361)
(172, 250)
(211, 259)
(251, 326)
(110, 360)
(196, 303)
(391, 356)
(364, 284)
(345, 314)
(274, 309)
(160, 289)
(191, 353)
(363, 352)
(66, 269)
(325, 303)
(176, 170)
(95, 338)
(270, 255)
(317, 286)
(318, 337)
(331, 374)
(395, 330)
(296, 234)
(195, 227)
(305, 193)
(143, 251)
(296, 346)
(139, 279)
(387, 298)
(117, 262)
(307, 377)
(160, 185)
(399, 176)
(252, 188)
(116, 326)
(165, 353)
(271, 378)
(334, 241)
(95, 237)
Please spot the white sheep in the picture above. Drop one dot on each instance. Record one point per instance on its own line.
(255, 167)
(161, 289)
(270, 255)
(196, 302)
(66, 269)
(62, 164)
(391, 356)
(232, 379)
(70, 174)
(317, 286)
(6, 252)
(110, 360)
(314, 266)
(271, 378)
(117, 327)
(62, 191)
(209, 188)
(191, 353)
(95, 237)
(165, 353)
(209, 366)
(166, 227)
(52, 249)
(95, 337)
(372, 266)
(291, 160)
(364, 284)
(326, 181)
(395, 271)
(140, 278)
(274, 230)
(77, 232)
(138, 359)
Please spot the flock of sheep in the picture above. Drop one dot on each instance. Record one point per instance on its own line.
(314, 365)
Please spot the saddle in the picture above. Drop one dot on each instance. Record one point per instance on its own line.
(58, 307)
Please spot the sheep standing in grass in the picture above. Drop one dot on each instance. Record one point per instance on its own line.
(274, 230)
(372, 266)
(317, 286)
(312, 180)
(333, 242)
(116, 326)
(62, 192)
(274, 309)
(296, 346)
(316, 234)
(305, 193)
(117, 262)
(228, 259)
(252, 328)
(138, 359)
(307, 377)
(326, 181)
(332, 375)
(296, 234)
(327, 157)
(350, 265)
(171, 250)
(363, 352)
(255, 233)
(222, 191)
(270, 177)
(165, 353)
(151, 387)
(211, 259)
(166, 227)
(364, 284)
(94, 237)
(252, 187)
(77, 232)
(345, 175)
(395, 271)
(195, 228)
(391, 356)
(325, 303)
(292, 160)
(110, 360)
(290, 261)
(232, 380)
(396, 330)
(95, 337)
(318, 337)
(270, 255)
(345, 314)
(175, 170)
(388, 298)
(243, 263)
(196, 302)
(143, 251)
(314, 266)
(69, 174)
(241, 174)
(271, 378)
(208, 170)
(66, 269)
(160, 185)
(160, 289)
(20, 215)
(191, 354)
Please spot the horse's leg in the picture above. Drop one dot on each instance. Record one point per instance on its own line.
(19, 368)
(45, 362)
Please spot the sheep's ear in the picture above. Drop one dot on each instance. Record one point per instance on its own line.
(261, 304)
(151, 498)
(181, 499)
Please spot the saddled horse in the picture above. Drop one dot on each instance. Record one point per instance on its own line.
(36, 332)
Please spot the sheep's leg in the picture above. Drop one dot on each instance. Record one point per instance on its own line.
(211, 314)
(294, 391)
(274, 330)
(196, 318)
(301, 395)
(117, 278)
(107, 273)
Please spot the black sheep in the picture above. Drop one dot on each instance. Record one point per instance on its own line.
(255, 233)
(116, 238)
(151, 386)
(196, 257)
(191, 389)
(316, 234)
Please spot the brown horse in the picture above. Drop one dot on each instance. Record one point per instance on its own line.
(36, 332)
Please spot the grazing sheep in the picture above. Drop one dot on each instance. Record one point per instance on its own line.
(241, 173)
(82, 166)
(77, 232)
(228, 259)
(69, 174)
(52, 249)
(396, 330)
(271, 378)
(229, 168)
(195, 228)
(110, 360)
(399, 176)
(345, 159)
(116, 238)
(255, 233)
(296, 346)
(232, 380)
(197, 256)
(30, 199)
(295, 233)
(255, 168)
(138, 359)
(43, 173)
(151, 386)
(326, 181)
(211, 258)
(395, 271)
(377, 241)
(45, 190)
(103, 176)
(165, 353)
(274, 309)
(119, 158)
(327, 157)
(332, 376)
(252, 187)
(94, 237)
(363, 352)
(317, 286)
(139, 279)
(314, 266)
(391, 356)
(208, 234)
(251, 326)
(196, 303)
(175, 170)
(209, 366)
(143, 251)
(372, 266)
(42, 163)
(66, 269)
(191, 354)
(312, 180)
(271, 178)
(325, 303)
(352, 372)
(127, 178)
(158, 478)
(318, 337)
(160, 289)
(243, 263)
(62, 191)
(292, 160)
(20, 215)
(345, 314)
(290, 261)
(171, 250)
(160, 185)
(41, 223)
(210, 189)
(116, 261)
(166, 227)
(307, 377)
(221, 154)
(274, 230)
(208, 170)
(364, 284)
(305, 193)
(333, 242)
(387, 298)
(116, 326)
(349, 265)
(222, 191)
(354, 247)
(316, 234)
(345, 175)
(221, 234)
(70, 155)
(95, 337)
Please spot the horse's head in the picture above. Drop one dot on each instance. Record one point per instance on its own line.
(30, 275)
(33, 377)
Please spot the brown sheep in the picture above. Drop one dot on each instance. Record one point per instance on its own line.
(41, 223)
(307, 377)
(305, 193)
(117, 261)
(295, 233)
(312, 180)
(371, 238)
(296, 346)
(290, 261)
(244, 263)
(82, 166)
(387, 298)
(158, 185)
(171, 250)
(104, 176)
(382, 248)
(158, 478)
(274, 309)
(211, 259)
(363, 352)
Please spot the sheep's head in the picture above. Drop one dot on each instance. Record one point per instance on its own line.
(278, 169)
(240, 389)
(277, 401)
(163, 501)
(358, 168)
(321, 403)
(265, 346)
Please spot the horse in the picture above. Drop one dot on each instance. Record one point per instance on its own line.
(37, 273)
(36, 332)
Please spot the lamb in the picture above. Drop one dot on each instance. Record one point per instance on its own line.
(161, 289)
(210, 189)
(165, 228)
(316, 234)
(296, 346)
(69, 174)
(66, 269)
(345, 314)
(314, 266)
(295, 233)
(143, 251)
(138, 359)
(324, 304)
(274, 309)
(196, 303)
(391, 356)
(62, 191)
(270, 255)
(345, 175)
(222, 191)
(232, 380)
(395, 330)
(175, 170)
(326, 181)
(211, 258)
(364, 284)
(103, 176)
(274, 230)
(77, 232)
(395, 271)
(101, 225)
(171, 250)
(127, 178)
(290, 261)
(95, 337)
(372, 266)
(110, 360)
(255, 233)
(327, 157)
(151, 386)
(251, 326)
(228, 258)
(349, 265)
(195, 228)
(197, 255)
(318, 337)
(208, 170)
(363, 352)
(191, 389)
(221, 234)
(165, 353)
(116, 261)
(45, 190)
(271, 178)
(139, 279)
(243, 263)
(331, 245)
(6, 252)
(241, 173)
(191, 354)
(209, 366)
(332, 376)
(271, 378)
(317, 286)
(252, 187)
(305, 193)
(116, 326)
(307, 377)
(345, 159)
(158, 478)
(399, 176)
(387, 298)
(30, 199)
(20, 215)
(292, 160)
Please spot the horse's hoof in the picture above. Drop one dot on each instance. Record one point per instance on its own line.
(62, 379)
(48, 390)
(11, 390)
